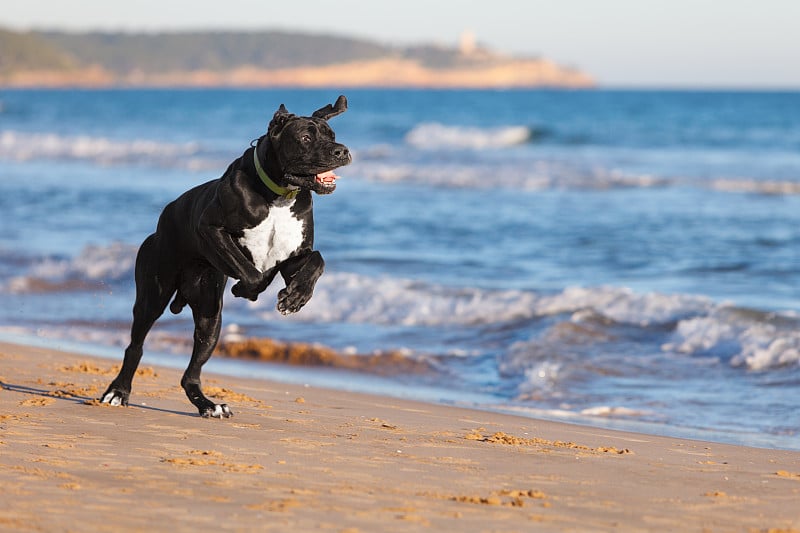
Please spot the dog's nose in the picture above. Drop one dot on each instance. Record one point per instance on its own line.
(341, 152)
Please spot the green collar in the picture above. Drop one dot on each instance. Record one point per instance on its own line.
(274, 187)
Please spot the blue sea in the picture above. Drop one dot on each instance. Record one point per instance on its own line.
(623, 259)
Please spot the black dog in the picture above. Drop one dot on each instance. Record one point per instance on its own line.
(253, 222)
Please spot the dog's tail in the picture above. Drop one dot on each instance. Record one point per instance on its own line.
(178, 303)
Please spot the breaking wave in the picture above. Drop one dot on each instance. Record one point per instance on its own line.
(769, 187)
(436, 136)
(532, 325)
(535, 175)
(25, 146)
(541, 174)
(347, 297)
(747, 338)
(385, 164)
(692, 325)
(94, 266)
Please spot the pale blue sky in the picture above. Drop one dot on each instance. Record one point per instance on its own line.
(667, 43)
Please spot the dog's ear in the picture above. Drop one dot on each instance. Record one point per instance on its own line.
(279, 120)
(330, 111)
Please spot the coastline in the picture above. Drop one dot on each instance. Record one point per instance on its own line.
(381, 73)
(311, 458)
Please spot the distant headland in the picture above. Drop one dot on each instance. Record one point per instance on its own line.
(263, 59)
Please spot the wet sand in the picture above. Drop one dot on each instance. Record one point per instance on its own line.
(305, 459)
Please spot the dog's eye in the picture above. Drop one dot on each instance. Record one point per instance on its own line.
(306, 138)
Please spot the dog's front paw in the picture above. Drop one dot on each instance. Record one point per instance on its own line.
(220, 410)
(291, 301)
(245, 290)
(114, 396)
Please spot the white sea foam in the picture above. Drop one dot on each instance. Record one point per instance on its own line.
(625, 306)
(546, 174)
(26, 146)
(702, 326)
(776, 187)
(347, 297)
(584, 315)
(531, 175)
(381, 164)
(753, 340)
(612, 411)
(436, 136)
(93, 264)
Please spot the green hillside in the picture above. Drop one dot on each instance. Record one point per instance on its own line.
(28, 51)
(186, 51)
(122, 53)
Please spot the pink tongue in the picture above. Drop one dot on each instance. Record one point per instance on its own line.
(327, 177)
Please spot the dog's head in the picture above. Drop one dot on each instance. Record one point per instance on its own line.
(306, 149)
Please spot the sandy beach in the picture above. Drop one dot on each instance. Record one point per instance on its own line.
(297, 458)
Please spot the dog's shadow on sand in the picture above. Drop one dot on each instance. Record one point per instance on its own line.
(81, 400)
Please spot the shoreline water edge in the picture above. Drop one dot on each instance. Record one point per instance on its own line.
(386, 374)
(307, 457)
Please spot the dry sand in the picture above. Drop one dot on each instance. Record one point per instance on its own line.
(307, 459)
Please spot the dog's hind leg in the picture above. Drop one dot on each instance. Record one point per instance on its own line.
(202, 288)
(152, 294)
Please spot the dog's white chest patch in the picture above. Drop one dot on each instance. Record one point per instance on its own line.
(275, 239)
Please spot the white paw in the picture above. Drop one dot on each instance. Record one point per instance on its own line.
(112, 399)
(219, 411)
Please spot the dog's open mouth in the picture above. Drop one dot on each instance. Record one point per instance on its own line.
(327, 178)
(322, 183)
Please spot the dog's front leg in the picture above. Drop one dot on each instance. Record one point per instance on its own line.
(300, 274)
(251, 292)
(222, 252)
